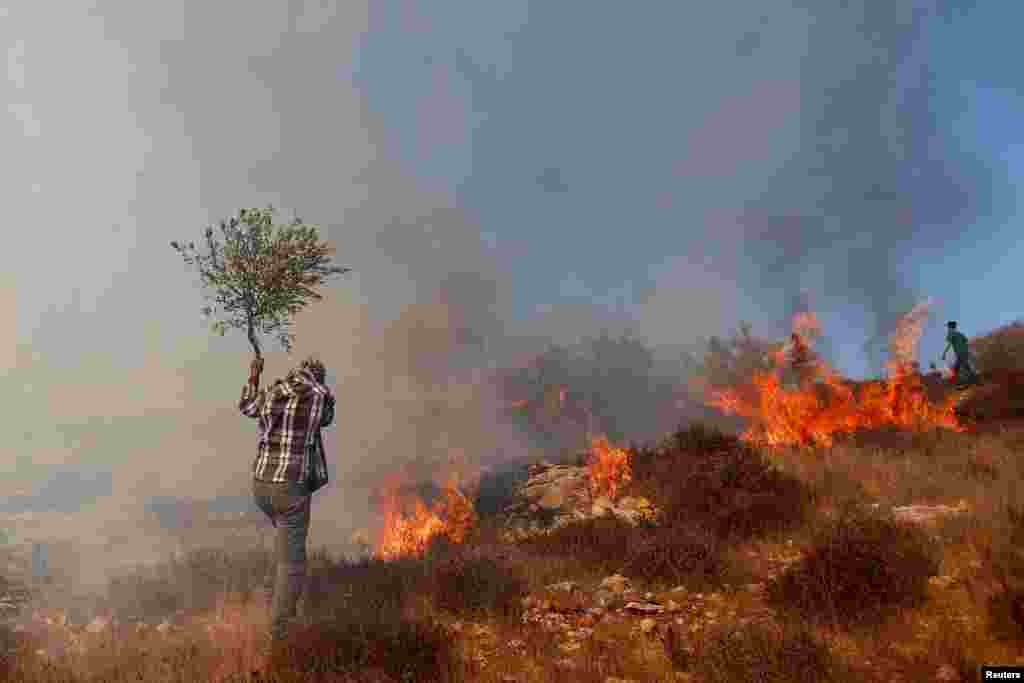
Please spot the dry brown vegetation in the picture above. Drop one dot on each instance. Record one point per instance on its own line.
(1001, 348)
(858, 569)
(782, 565)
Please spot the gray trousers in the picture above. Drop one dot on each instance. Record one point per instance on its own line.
(287, 506)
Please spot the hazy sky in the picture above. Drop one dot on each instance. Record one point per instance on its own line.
(518, 168)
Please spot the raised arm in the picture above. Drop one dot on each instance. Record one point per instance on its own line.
(252, 398)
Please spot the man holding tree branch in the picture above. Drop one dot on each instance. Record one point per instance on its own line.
(257, 275)
(289, 467)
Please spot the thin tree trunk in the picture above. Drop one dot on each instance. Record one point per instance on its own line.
(252, 337)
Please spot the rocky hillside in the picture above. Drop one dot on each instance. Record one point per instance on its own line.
(874, 561)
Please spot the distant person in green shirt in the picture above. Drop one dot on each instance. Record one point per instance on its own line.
(963, 373)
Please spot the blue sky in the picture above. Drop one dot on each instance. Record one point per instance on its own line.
(977, 277)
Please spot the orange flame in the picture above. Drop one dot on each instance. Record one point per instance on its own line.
(609, 468)
(409, 524)
(903, 341)
(799, 350)
(825, 404)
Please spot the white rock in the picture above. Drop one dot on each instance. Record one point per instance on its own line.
(927, 514)
(564, 586)
(616, 582)
(644, 608)
(98, 625)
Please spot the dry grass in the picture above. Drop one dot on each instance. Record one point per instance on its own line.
(476, 586)
(813, 525)
(712, 491)
(193, 583)
(654, 554)
(363, 615)
(703, 477)
(1004, 556)
(860, 568)
(1001, 349)
(758, 653)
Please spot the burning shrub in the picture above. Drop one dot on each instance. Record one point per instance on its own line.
(477, 584)
(860, 566)
(409, 524)
(822, 404)
(458, 513)
(761, 653)
(609, 468)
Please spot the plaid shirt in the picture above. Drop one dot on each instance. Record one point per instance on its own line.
(291, 413)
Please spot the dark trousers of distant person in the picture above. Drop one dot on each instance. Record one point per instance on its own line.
(963, 372)
(288, 507)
